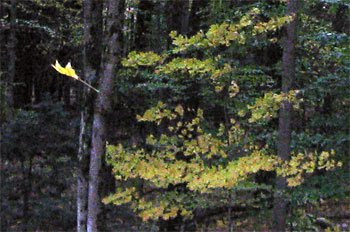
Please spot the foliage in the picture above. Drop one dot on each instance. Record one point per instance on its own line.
(195, 155)
(198, 160)
(227, 33)
(267, 107)
(141, 59)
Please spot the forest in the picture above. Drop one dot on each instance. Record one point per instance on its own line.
(175, 115)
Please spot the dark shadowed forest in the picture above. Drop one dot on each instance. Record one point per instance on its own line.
(175, 115)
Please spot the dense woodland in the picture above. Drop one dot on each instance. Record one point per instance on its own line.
(174, 115)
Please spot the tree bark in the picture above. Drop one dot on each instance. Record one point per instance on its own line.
(173, 11)
(92, 61)
(185, 16)
(143, 25)
(81, 179)
(2, 166)
(284, 130)
(12, 54)
(196, 17)
(102, 107)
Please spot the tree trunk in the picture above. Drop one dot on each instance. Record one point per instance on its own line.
(185, 16)
(143, 25)
(158, 32)
(12, 54)
(197, 16)
(284, 129)
(102, 107)
(81, 182)
(173, 11)
(27, 192)
(92, 61)
(2, 100)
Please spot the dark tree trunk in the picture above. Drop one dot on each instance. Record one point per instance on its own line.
(92, 61)
(12, 40)
(185, 16)
(173, 17)
(143, 25)
(2, 166)
(197, 16)
(284, 130)
(102, 107)
(177, 17)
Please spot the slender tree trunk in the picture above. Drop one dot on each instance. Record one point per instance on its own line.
(92, 61)
(196, 17)
(2, 214)
(2, 166)
(284, 130)
(143, 28)
(102, 107)
(159, 35)
(26, 194)
(173, 10)
(12, 54)
(83, 159)
(82, 182)
(185, 16)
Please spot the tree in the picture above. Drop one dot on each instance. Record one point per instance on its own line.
(92, 61)
(185, 16)
(285, 114)
(177, 16)
(3, 106)
(12, 53)
(102, 107)
(199, 160)
(143, 24)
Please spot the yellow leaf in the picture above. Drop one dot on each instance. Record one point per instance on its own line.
(68, 70)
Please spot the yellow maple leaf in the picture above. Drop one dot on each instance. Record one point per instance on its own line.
(69, 71)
